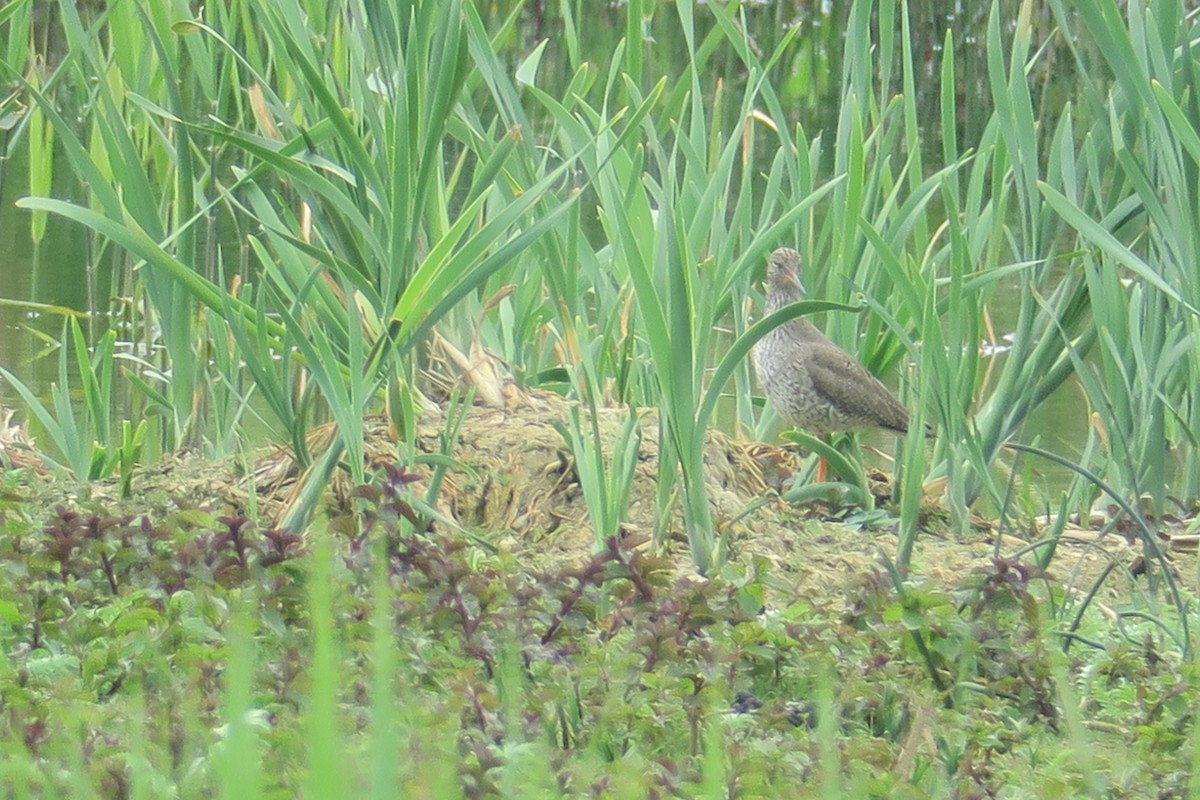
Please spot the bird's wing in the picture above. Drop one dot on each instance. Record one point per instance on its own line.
(839, 377)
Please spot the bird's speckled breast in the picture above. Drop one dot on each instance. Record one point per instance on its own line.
(781, 360)
(786, 382)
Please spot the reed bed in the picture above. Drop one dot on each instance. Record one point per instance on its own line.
(297, 198)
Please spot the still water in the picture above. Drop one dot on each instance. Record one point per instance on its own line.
(57, 271)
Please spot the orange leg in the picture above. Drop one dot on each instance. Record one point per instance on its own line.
(822, 465)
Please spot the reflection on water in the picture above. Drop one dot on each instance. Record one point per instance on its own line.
(53, 272)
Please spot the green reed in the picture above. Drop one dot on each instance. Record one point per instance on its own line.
(602, 231)
(389, 172)
(389, 169)
(82, 432)
(1135, 209)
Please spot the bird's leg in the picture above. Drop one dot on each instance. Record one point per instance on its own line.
(837, 442)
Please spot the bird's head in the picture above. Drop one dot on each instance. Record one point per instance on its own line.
(783, 275)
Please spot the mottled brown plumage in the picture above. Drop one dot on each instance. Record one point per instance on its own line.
(815, 384)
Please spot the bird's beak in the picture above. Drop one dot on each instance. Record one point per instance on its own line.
(794, 278)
